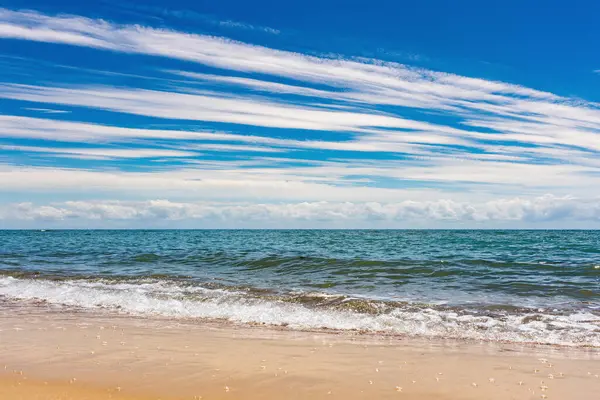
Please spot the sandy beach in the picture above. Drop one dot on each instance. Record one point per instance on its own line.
(52, 354)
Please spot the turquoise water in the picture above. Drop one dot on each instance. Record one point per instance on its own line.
(523, 286)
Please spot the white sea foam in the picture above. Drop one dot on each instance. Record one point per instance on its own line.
(172, 300)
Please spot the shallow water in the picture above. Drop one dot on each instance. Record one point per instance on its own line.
(521, 286)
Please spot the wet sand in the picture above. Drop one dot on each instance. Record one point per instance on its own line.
(53, 354)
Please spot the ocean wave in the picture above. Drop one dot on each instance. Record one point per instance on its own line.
(308, 311)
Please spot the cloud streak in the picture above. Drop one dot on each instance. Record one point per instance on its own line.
(101, 153)
(193, 16)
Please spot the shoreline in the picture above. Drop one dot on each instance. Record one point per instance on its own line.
(89, 355)
(309, 312)
(42, 309)
(28, 307)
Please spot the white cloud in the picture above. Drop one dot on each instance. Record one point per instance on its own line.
(265, 86)
(245, 26)
(190, 15)
(232, 147)
(541, 209)
(46, 110)
(102, 152)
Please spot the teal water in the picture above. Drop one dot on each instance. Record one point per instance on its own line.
(524, 286)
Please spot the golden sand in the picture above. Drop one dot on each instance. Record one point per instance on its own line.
(48, 354)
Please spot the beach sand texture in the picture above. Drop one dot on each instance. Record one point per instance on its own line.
(52, 354)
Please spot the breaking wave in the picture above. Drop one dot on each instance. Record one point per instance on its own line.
(174, 298)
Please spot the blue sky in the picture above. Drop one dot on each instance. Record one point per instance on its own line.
(316, 114)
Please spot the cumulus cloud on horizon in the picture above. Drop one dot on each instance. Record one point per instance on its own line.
(544, 208)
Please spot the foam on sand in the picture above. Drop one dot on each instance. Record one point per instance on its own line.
(170, 299)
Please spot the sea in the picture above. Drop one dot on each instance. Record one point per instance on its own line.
(519, 286)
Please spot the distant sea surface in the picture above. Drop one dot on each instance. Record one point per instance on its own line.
(514, 286)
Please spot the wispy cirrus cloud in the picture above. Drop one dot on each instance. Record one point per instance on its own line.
(241, 25)
(101, 153)
(46, 110)
(193, 16)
